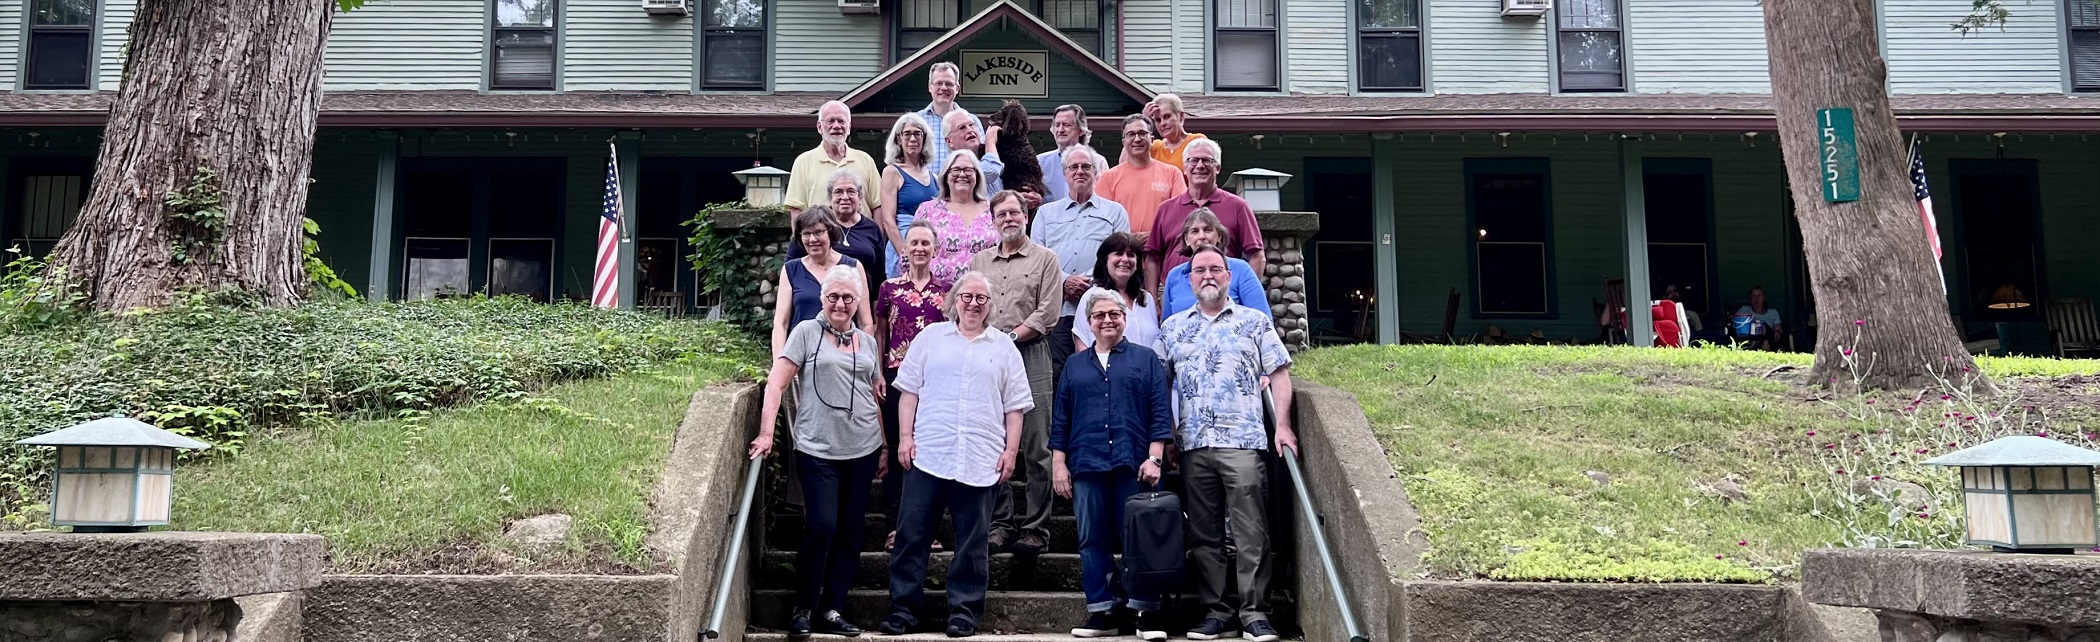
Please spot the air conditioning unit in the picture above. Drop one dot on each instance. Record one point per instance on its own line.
(860, 7)
(666, 8)
(1526, 8)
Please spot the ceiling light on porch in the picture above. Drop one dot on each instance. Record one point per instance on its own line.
(1483, 233)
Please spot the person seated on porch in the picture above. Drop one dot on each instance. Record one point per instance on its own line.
(797, 296)
(1199, 229)
(809, 181)
(1756, 324)
(907, 182)
(960, 214)
(864, 239)
(1672, 330)
(1174, 137)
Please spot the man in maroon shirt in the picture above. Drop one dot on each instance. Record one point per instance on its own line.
(1163, 248)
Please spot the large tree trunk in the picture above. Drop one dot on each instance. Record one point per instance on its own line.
(1879, 302)
(211, 87)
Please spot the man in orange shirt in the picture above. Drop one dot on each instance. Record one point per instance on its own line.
(1140, 184)
(1174, 136)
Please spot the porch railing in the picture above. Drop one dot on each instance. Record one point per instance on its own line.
(737, 534)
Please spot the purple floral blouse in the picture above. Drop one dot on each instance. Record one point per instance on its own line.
(909, 310)
(959, 240)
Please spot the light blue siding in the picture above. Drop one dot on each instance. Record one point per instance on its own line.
(614, 45)
(409, 44)
(10, 41)
(1474, 50)
(816, 48)
(1317, 36)
(115, 35)
(1149, 51)
(1927, 56)
(1694, 47)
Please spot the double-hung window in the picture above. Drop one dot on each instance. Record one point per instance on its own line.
(733, 44)
(525, 41)
(920, 22)
(1246, 45)
(1506, 202)
(1079, 20)
(61, 44)
(1592, 45)
(1389, 45)
(2082, 17)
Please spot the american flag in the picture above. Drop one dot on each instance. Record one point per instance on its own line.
(605, 281)
(1924, 198)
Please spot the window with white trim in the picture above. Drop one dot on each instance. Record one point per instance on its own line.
(1389, 45)
(1245, 46)
(1591, 45)
(523, 44)
(733, 44)
(920, 22)
(61, 45)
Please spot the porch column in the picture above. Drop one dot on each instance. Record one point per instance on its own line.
(630, 180)
(1640, 327)
(379, 277)
(1385, 256)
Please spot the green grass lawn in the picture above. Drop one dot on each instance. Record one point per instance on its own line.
(433, 491)
(1499, 448)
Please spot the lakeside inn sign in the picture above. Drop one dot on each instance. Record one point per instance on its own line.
(1005, 74)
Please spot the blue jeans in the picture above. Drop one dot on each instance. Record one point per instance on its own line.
(835, 493)
(1097, 499)
(918, 513)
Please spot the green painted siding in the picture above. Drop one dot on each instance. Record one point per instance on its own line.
(115, 34)
(1926, 56)
(1068, 83)
(1317, 37)
(613, 45)
(1687, 46)
(409, 44)
(1474, 50)
(346, 164)
(2070, 206)
(818, 49)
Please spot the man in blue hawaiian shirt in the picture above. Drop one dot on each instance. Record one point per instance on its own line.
(1221, 355)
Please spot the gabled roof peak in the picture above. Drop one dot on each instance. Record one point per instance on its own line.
(1000, 10)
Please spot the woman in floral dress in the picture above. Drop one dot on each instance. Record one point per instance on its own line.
(960, 215)
(904, 306)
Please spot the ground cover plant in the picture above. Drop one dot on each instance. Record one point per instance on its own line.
(1624, 464)
(241, 377)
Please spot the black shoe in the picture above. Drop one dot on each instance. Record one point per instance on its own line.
(798, 625)
(1151, 625)
(1212, 629)
(1030, 544)
(961, 628)
(834, 624)
(1099, 625)
(996, 542)
(894, 625)
(1261, 632)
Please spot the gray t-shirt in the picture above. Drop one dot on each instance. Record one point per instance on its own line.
(835, 414)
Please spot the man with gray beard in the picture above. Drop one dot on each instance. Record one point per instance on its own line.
(1220, 355)
(1026, 280)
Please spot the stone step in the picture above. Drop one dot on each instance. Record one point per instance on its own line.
(784, 533)
(1006, 612)
(1049, 572)
(917, 637)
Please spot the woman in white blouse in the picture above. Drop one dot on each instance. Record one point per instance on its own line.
(1117, 267)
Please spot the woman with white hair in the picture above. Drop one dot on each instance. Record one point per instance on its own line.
(907, 182)
(864, 239)
(961, 214)
(836, 369)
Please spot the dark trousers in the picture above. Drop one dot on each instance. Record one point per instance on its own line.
(1224, 482)
(835, 522)
(1034, 460)
(893, 483)
(918, 514)
(1097, 501)
(1060, 347)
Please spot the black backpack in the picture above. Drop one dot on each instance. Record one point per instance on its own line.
(1152, 545)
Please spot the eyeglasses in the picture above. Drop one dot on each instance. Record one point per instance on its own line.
(813, 235)
(844, 191)
(1085, 168)
(839, 297)
(1107, 315)
(1137, 134)
(1199, 160)
(974, 298)
(912, 134)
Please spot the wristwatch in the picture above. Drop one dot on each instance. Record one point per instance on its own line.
(1013, 336)
(1156, 461)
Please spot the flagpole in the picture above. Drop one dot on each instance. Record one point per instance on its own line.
(614, 149)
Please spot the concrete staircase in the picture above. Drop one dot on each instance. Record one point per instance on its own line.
(1032, 599)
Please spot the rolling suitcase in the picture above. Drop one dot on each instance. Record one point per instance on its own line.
(1152, 542)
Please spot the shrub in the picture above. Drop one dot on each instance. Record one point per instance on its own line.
(224, 374)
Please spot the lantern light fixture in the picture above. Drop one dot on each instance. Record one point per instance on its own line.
(114, 475)
(764, 185)
(1262, 188)
(2027, 494)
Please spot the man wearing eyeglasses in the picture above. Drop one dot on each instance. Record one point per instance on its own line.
(807, 182)
(1074, 227)
(1026, 281)
(1141, 183)
(1204, 162)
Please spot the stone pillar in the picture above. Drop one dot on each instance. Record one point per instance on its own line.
(1961, 596)
(154, 587)
(772, 251)
(1284, 235)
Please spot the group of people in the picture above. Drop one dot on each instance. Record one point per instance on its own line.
(1756, 325)
(945, 325)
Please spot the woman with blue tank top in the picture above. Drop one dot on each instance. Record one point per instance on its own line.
(907, 181)
(798, 296)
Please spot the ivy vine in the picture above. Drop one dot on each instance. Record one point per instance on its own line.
(732, 262)
(196, 217)
(323, 277)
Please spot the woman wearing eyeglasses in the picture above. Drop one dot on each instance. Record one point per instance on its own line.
(907, 182)
(961, 214)
(796, 297)
(836, 369)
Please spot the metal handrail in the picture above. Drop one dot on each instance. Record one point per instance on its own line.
(1305, 504)
(736, 549)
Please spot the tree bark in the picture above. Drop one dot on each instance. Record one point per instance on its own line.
(1880, 304)
(230, 86)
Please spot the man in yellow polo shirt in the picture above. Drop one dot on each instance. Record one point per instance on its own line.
(807, 181)
(1174, 136)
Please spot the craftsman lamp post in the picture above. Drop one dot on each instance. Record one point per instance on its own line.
(114, 475)
(2028, 494)
(1262, 188)
(764, 185)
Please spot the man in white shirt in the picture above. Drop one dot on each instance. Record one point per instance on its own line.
(961, 394)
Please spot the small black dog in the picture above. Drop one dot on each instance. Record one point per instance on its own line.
(1022, 171)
